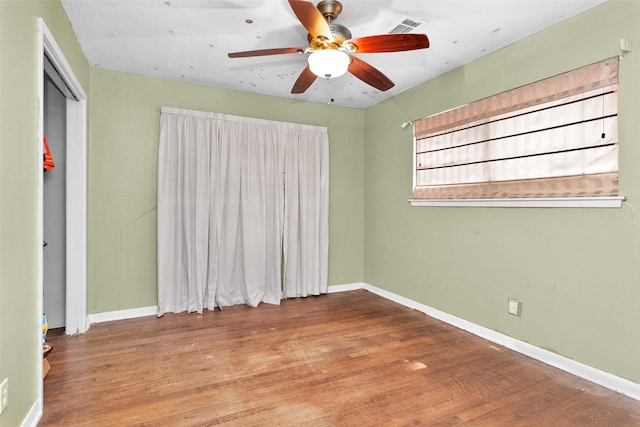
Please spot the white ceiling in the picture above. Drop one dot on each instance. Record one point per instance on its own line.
(188, 40)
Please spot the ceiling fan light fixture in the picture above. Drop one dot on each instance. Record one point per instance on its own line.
(328, 63)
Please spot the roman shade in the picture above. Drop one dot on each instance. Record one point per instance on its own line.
(557, 137)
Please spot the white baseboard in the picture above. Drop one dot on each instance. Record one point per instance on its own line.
(123, 314)
(605, 379)
(346, 287)
(34, 415)
(109, 316)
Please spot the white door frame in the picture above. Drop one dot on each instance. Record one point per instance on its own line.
(76, 320)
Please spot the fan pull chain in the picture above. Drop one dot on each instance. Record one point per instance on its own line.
(329, 97)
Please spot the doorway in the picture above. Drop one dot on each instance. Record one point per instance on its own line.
(54, 198)
(75, 188)
(75, 179)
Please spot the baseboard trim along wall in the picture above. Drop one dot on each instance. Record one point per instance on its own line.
(131, 313)
(347, 287)
(109, 316)
(605, 379)
(34, 415)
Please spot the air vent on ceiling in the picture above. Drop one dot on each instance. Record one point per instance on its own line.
(406, 25)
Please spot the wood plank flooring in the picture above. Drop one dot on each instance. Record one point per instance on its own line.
(343, 359)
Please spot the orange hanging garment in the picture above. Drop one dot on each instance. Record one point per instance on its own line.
(47, 160)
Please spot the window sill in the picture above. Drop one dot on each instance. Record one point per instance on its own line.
(551, 202)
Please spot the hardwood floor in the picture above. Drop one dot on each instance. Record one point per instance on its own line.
(343, 359)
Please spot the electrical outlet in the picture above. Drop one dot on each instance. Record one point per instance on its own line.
(514, 307)
(626, 45)
(4, 394)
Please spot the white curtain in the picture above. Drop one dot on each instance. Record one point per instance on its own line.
(240, 202)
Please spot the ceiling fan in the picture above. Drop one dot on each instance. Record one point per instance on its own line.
(331, 47)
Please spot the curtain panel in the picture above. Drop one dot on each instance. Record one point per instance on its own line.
(242, 210)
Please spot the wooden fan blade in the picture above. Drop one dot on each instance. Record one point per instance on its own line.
(369, 74)
(388, 43)
(309, 16)
(305, 80)
(264, 52)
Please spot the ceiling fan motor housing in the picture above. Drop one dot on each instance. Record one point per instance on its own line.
(339, 33)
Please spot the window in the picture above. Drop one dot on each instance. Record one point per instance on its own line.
(556, 138)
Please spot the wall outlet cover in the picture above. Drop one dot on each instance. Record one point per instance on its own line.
(626, 45)
(514, 307)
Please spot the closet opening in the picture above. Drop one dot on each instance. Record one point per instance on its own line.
(62, 196)
(54, 256)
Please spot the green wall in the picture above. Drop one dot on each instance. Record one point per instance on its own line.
(19, 171)
(125, 121)
(575, 270)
